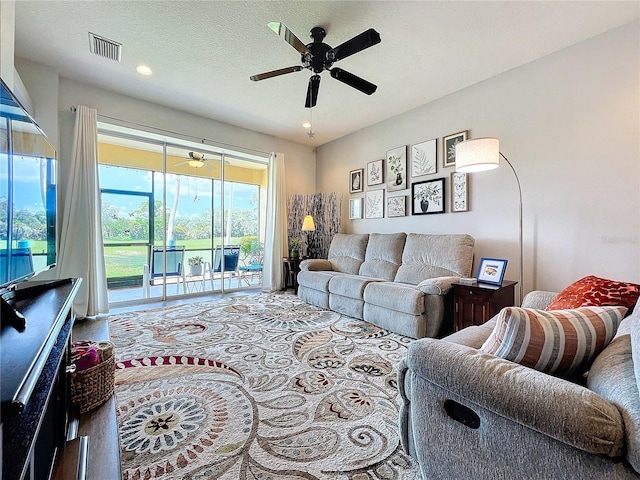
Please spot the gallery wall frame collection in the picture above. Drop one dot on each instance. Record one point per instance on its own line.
(411, 167)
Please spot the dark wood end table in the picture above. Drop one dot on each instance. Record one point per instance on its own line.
(475, 304)
(291, 269)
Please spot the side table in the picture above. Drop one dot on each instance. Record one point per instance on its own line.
(475, 304)
(291, 269)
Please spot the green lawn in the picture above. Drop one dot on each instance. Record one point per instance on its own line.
(129, 261)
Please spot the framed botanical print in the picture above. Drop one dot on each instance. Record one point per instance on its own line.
(374, 173)
(397, 206)
(449, 147)
(397, 169)
(428, 197)
(423, 158)
(459, 192)
(355, 208)
(355, 180)
(374, 204)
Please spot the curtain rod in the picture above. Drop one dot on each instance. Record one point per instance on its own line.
(200, 139)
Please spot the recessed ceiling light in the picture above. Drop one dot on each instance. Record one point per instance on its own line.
(143, 70)
(306, 125)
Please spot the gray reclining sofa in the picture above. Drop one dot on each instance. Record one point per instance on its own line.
(528, 424)
(396, 281)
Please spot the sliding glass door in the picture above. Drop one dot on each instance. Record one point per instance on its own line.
(179, 220)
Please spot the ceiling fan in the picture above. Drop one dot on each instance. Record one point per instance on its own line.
(318, 56)
(196, 160)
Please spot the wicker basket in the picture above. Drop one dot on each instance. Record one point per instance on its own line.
(92, 387)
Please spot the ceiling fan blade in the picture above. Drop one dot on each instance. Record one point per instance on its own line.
(288, 36)
(275, 73)
(358, 43)
(181, 163)
(353, 81)
(312, 91)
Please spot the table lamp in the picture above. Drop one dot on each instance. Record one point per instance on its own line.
(308, 225)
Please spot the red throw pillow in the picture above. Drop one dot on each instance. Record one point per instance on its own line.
(593, 291)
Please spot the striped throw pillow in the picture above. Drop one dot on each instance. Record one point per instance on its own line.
(559, 341)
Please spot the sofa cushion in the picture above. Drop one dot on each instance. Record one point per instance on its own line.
(561, 341)
(346, 252)
(395, 296)
(595, 291)
(427, 256)
(316, 280)
(383, 256)
(351, 286)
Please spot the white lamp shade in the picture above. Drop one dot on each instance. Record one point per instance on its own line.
(477, 154)
(308, 225)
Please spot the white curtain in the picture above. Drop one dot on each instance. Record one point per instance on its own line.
(81, 252)
(276, 233)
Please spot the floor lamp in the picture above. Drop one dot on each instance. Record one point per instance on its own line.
(308, 225)
(481, 154)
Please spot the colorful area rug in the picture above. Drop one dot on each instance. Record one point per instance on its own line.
(255, 387)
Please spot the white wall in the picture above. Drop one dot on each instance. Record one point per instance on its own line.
(570, 125)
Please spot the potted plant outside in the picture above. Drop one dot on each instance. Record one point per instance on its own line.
(195, 265)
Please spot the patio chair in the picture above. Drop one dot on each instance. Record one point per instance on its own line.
(154, 269)
(252, 267)
(225, 264)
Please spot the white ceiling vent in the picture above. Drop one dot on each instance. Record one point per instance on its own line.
(103, 47)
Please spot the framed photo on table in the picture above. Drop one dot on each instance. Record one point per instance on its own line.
(491, 270)
(449, 147)
(355, 180)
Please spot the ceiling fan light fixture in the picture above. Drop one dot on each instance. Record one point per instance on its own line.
(196, 163)
(306, 125)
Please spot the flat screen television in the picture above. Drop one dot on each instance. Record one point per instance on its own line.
(27, 196)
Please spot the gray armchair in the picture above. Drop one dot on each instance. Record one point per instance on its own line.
(469, 415)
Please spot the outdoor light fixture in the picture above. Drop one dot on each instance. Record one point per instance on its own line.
(479, 154)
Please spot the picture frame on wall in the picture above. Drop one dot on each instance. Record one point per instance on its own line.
(375, 173)
(449, 147)
(459, 192)
(491, 270)
(356, 178)
(374, 204)
(355, 208)
(423, 158)
(396, 173)
(428, 197)
(397, 206)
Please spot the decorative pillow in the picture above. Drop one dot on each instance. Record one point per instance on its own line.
(593, 291)
(561, 342)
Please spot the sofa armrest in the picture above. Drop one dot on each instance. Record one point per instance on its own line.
(437, 285)
(316, 264)
(538, 299)
(551, 406)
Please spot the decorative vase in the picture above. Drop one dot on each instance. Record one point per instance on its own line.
(424, 205)
(195, 269)
(294, 253)
(399, 178)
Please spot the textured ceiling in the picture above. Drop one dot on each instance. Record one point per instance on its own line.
(203, 52)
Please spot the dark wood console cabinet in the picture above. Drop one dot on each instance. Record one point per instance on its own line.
(35, 387)
(475, 304)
